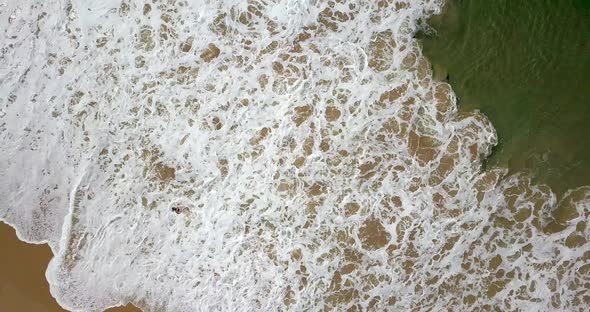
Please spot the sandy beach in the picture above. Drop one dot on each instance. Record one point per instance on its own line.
(23, 286)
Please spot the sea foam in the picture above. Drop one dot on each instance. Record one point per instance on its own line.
(266, 155)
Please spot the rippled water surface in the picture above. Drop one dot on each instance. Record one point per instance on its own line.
(525, 65)
(266, 155)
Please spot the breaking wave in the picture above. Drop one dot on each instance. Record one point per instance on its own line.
(266, 155)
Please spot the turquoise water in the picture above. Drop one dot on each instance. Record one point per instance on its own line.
(526, 65)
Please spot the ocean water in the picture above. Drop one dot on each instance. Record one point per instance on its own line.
(526, 66)
(266, 155)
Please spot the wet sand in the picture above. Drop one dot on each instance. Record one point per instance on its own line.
(23, 286)
(127, 308)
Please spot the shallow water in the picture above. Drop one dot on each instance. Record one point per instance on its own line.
(526, 66)
(266, 155)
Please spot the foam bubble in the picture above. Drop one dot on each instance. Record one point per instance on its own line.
(255, 155)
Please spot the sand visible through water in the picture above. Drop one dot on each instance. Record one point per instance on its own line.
(526, 66)
(267, 155)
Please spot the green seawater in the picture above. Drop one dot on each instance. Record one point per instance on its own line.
(526, 65)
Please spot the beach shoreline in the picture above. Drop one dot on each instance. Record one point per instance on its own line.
(23, 286)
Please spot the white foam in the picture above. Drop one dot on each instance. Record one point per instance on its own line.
(169, 176)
